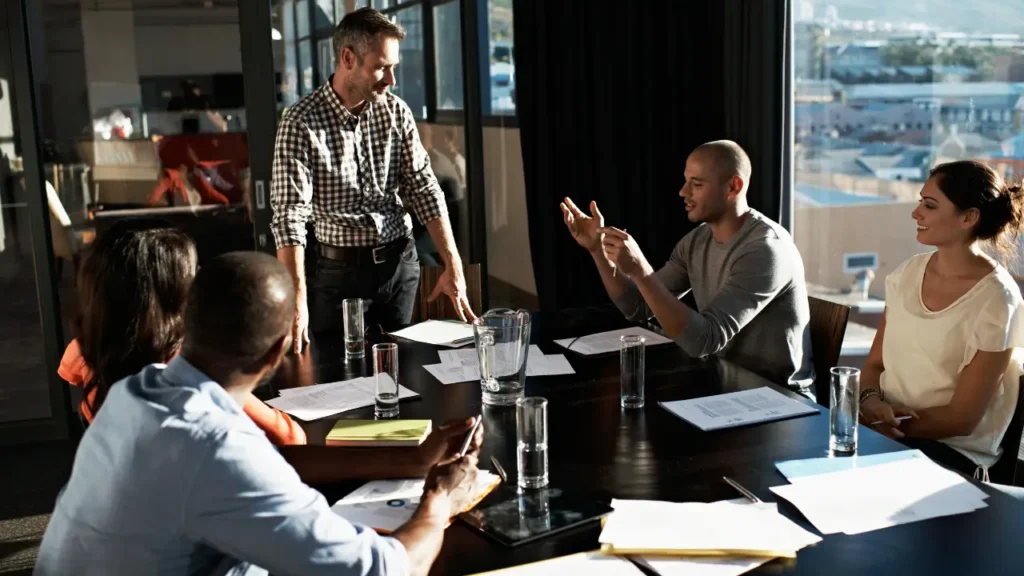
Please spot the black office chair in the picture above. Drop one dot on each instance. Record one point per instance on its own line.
(1005, 470)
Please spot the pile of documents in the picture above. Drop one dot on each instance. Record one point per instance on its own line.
(439, 333)
(385, 505)
(726, 529)
(464, 366)
(738, 409)
(605, 342)
(323, 400)
(874, 492)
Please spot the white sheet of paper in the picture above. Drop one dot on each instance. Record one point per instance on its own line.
(453, 373)
(438, 333)
(701, 566)
(333, 399)
(673, 526)
(387, 504)
(604, 342)
(464, 366)
(588, 563)
(737, 409)
(865, 499)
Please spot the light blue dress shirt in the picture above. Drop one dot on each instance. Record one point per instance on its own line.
(173, 478)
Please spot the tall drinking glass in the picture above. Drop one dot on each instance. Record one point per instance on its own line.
(532, 446)
(631, 371)
(385, 369)
(845, 408)
(352, 308)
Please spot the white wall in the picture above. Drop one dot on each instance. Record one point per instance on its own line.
(197, 49)
(508, 240)
(111, 69)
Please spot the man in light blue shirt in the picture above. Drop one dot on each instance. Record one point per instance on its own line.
(173, 478)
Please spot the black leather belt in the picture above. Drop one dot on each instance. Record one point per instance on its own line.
(365, 254)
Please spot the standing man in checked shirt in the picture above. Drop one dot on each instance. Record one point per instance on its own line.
(348, 157)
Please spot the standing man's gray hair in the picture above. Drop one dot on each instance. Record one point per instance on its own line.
(359, 30)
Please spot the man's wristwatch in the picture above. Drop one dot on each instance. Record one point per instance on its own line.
(871, 392)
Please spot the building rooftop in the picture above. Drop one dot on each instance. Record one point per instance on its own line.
(933, 90)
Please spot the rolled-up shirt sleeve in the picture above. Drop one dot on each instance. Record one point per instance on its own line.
(249, 504)
(418, 186)
(673, 275)
(291, 185)
(755, 278)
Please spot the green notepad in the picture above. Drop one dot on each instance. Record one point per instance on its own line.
(368, 433)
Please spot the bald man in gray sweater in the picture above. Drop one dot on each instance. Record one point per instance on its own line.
(746, 274)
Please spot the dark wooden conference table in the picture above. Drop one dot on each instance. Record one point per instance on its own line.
(597, 449)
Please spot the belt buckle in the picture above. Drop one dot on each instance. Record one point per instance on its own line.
(379, 259)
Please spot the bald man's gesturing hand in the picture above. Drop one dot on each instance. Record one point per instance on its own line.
(624, 252)
(584, 228)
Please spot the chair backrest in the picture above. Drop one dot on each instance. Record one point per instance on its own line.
(1005, 470)
(441, 308)
(828, 326)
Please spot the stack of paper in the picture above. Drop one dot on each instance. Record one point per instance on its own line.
(464, 366)
(385, 505)
(720, 529)
(863, 499)
(605, 342)
(372, 433)
(795, 469)
(738, 409)
(439, 333)
(322, 400)
(589, 563)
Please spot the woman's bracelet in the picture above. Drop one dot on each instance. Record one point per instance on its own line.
(871, 392)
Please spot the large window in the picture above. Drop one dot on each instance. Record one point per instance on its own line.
(448, 56)
(410, 77)
(884, 91)
(501, 57)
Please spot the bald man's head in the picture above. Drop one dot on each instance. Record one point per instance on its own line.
(717, 176)
(728, 158)
(240, 307)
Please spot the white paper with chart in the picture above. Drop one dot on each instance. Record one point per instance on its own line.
(738, 409)
(464, 365)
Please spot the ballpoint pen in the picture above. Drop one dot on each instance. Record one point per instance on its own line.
(499, 469)
(469, 436)
(747, 493)
(898, 418)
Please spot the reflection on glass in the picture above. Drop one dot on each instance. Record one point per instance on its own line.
(305, 68)
(409, 75)
(502, 63)
(445, 144)
(325, 58)
(24, 391)
(535, 511)
(302, 18)
(878, 102)
(287, 9)
(323, 14)
(448, 55)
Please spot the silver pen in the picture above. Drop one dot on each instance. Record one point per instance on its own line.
(747, 493)
(469, 437)
(499, 469)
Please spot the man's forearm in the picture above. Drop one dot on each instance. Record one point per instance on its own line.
(615, 284)
(671, 313)
(325, 464)
(294, 259)
(423, 534)
(441, 233)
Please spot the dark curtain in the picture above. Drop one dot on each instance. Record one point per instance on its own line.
(611, 102)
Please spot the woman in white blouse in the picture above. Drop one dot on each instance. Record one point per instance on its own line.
(944, 351)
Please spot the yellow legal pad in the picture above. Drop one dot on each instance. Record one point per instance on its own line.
(369, 433)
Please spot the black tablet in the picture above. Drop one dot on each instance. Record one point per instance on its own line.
(514, 518)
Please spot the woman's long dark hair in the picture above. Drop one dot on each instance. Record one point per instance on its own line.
(132, 289)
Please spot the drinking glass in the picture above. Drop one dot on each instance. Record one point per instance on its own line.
(385, 368)
(532, 445)
(631, 371)
(845, 408)
(352, 308)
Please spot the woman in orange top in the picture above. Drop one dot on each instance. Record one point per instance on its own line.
(132, 290)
